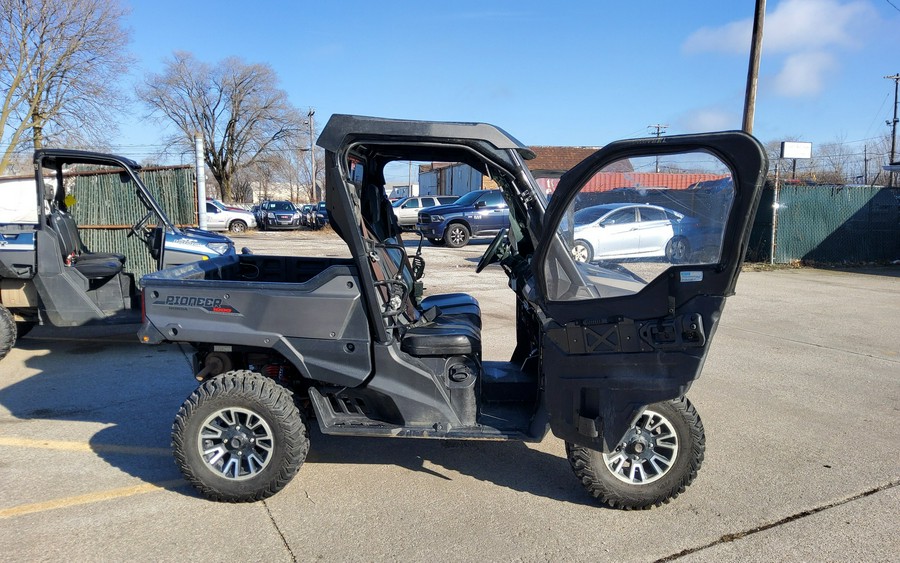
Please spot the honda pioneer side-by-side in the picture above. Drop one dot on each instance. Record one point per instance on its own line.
(605, 349)
(48, 275)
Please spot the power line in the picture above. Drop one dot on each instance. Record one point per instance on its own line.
(660, 129)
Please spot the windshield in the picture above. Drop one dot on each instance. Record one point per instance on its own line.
(282, 206)
(399, 202)
(590, 214)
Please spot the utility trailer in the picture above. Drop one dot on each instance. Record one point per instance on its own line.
(605, 351)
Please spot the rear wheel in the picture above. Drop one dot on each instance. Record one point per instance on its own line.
(677, 250)
(7, 331)
(239, 437)
(237, 226)
(656, 460)
(457, 235)
(582, 251)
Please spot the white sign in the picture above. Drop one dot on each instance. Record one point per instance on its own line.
(791, 149)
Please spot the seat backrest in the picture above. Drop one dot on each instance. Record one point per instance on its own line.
(66, 231)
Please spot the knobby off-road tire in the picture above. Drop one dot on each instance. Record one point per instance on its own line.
(636, 476)
(7, 331)
(239, 437)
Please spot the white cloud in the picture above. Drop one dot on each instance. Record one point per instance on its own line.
(708, 119)
(803, 37)
(803, 74)
(729, 38)
(793, 25)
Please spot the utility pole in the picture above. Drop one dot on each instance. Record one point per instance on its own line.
(312, 155)
(893, 124)
(866, 164)
(660, 129)
(753, 71)
(199, 160)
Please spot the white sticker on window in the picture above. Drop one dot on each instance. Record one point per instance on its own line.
(687, 277)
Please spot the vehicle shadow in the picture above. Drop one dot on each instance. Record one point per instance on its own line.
(134, 391)
(512, 465)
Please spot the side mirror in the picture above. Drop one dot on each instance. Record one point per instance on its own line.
(480, 204)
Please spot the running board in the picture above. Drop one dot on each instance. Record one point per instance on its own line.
(344, 417)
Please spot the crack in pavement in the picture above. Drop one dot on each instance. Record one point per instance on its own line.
(280, 533)
(739, 535)
(815, 345)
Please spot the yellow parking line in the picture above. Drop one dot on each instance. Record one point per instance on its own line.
(69, 446)
(101, 496)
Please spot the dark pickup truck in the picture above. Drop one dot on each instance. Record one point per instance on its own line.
(604, 354)
(477, 214)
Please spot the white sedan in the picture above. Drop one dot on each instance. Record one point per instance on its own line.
(627, 230)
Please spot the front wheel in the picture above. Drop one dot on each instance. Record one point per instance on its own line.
(657, 459)
(7, 331)
(457, 235)
(239, 437)
(582, 251)
(237, 226)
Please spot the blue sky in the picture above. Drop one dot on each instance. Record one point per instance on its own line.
(550, 73)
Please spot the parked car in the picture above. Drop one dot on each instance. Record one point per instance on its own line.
(319, 216)
(476, 214)
(625, 230)
(305, 213)
(278, 215)
(220, 218)
(407, 208)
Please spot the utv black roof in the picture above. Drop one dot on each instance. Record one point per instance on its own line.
(342, 129)
(51, 158)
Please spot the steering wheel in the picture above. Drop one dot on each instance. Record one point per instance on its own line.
(492, 254)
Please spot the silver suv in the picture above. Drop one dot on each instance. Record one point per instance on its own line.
(220, 217)
(407, 209)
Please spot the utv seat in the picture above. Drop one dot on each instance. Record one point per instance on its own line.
(66, 226)
(441, 325)
(443, 336)
(92, 265)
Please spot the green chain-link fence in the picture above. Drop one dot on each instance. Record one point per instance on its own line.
(829, 224)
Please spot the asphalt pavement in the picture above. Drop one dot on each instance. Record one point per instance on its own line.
(800, 398)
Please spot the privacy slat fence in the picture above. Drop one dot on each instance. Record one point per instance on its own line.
(106, 208)
(829, 225)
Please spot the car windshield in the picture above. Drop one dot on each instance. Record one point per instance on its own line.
(282, 206)
(400, 202)
(590, 214)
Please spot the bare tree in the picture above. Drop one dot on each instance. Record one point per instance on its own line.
(835, 161)
(61, 62)
(237, 107)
